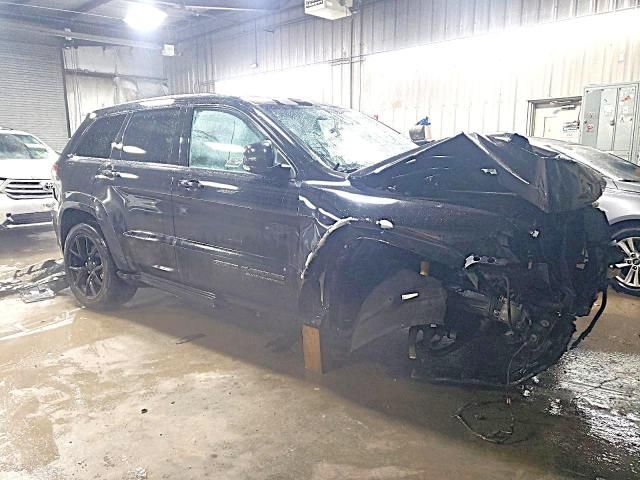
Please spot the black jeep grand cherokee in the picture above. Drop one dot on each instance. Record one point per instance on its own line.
(471, 242)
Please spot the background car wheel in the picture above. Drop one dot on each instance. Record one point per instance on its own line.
(91, 271)
(627, 279)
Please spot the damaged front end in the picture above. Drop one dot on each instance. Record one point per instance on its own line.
(512, 315)
(510, 251)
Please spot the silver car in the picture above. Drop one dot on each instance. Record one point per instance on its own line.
(620, 201)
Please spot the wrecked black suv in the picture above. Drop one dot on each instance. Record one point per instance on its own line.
(481, 244)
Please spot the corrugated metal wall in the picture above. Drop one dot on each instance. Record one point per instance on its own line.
(470, 65)
(99, 77)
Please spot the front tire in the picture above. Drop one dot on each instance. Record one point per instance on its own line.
(91, 272)
(627, 279)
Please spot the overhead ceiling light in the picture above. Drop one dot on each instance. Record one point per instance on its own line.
(144, 17)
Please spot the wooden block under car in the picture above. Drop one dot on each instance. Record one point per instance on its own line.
(312, 349)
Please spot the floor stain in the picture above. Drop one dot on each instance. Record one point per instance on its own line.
(222, 402)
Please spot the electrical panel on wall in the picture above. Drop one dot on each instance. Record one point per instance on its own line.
(610, 120)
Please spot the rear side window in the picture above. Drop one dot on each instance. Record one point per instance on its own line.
(151, 135)
(97, 140)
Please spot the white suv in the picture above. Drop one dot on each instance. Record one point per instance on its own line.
(26, 189)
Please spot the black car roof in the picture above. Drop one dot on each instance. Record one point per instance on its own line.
(190, 99)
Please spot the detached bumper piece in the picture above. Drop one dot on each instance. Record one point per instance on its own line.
(36, 282)
(26, 219)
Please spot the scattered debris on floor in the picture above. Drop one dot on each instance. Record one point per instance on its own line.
(36, 294)
(36, 282)
(482, 425)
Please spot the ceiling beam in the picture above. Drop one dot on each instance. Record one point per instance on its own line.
(202, 6)
(102, 39)
(87, 7)
(60, 23)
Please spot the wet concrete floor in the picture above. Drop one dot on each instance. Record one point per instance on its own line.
(161, 390)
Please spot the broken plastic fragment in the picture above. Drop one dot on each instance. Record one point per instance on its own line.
(36, 294)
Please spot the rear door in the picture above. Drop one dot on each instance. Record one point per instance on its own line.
(135, 188)
(91, 153)
(237, 231)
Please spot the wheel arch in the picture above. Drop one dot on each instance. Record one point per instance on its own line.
(619, 230)
(357, 248)
(77, 212)
(624, 225)
(73, 216)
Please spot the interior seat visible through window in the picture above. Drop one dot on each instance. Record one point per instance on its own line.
(218, 140)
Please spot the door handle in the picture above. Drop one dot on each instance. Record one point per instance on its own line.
(109, 173)
(190, 184)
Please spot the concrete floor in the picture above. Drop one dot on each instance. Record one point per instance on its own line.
(220, 401)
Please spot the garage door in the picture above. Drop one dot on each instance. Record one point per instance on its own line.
(32, 92)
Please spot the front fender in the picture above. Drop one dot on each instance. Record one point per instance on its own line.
(620, 206)
(349, 230)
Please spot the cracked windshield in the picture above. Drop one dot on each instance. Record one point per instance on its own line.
(344, 140)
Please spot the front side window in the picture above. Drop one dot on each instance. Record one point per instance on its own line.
(218, 140)
(98, 139)
(342, 139)
(150, 136)
(16, 146)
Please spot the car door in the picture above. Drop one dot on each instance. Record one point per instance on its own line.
(236, 231)
(135, 188)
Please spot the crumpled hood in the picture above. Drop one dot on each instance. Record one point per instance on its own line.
(27, 169)
(505, 164)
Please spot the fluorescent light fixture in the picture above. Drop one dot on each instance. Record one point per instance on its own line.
(144, 17)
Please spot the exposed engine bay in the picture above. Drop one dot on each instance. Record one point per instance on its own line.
(489, 300)
(521, 313)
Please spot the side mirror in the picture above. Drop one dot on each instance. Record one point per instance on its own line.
(418, 134)
(259, 157)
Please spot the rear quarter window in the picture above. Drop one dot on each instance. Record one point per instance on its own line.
(97, 141)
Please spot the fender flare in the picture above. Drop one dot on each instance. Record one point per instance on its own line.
(90, 205)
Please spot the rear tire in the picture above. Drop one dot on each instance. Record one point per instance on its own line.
(90, 270)
(628, 279)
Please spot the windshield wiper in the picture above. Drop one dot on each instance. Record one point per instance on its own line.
(629, 180)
